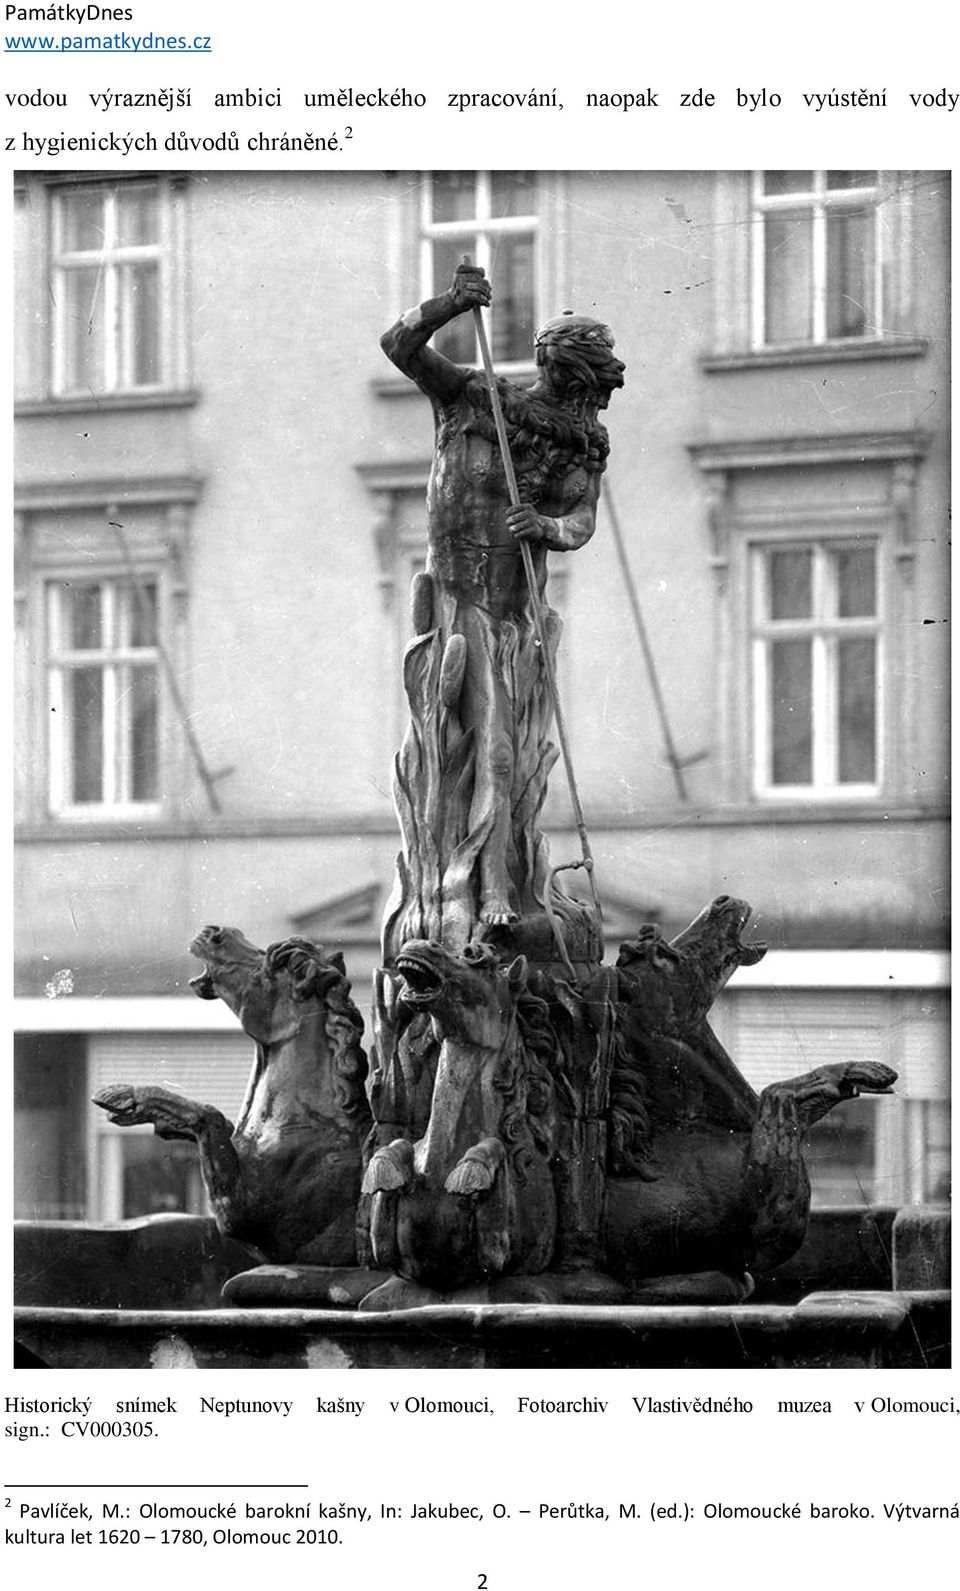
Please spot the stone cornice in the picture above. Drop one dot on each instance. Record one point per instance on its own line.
(103, 403)
(349, 826)
(860, 447)
(36, 497)
(814, 354)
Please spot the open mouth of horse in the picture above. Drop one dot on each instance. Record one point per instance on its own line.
(422, 982)
(202, 984)
(748, 953)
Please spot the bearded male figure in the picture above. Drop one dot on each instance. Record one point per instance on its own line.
(472, 774)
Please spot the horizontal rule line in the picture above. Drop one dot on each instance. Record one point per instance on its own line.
(106, 52)
(158, 1486)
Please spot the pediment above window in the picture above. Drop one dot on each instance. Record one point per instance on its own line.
(352, 917)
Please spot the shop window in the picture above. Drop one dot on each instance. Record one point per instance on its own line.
(841, 1155)
(49, 1104)
(159, 1178)
(135, 1172)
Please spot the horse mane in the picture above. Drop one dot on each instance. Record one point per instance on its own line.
(524, 1078)
(343, 1024)
(630, 1147)
(568, 1017)
(539, 1039)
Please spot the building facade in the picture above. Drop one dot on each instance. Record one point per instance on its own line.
(220, 506)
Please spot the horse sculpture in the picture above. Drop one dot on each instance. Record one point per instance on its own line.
(599, 1131)
(704, 1175)
(286, 1178)
(472, 1198)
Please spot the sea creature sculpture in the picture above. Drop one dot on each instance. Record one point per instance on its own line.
(703, 1174)
(473, 1197)
(286, 1178)
(598, 1128)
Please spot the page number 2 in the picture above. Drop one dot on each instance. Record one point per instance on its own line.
(481, 1582)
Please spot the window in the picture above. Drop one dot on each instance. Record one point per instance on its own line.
(108, 286)
(132, 1172)
(854, 1154)
(103, 714)
(49, 1104)
(104, 696)
(492, 217)
(818, 257)
(813, 543)
(841, 1154)
(816, 667)
(158, 1177)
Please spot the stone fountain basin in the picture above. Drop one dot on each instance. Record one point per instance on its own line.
(868, 1288)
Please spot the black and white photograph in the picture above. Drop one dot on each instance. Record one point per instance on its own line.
(481, 769)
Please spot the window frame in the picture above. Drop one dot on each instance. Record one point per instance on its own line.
(479, 232)
(118, 352)
(843, 484)
(824, 629)
(68, 531)
(59, 660)
(819, 200)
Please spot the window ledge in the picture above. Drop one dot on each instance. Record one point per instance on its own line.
(303, 826)
(847, 351)
(105, 403)
(752, 813)
(855, 447)
(756, 813)
(206, 827)
(73, 494)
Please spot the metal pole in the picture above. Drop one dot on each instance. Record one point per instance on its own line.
(645, 647)
(206, 778)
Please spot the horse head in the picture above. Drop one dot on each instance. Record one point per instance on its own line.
(446, 1207)
(471, 997)
(679, 979)
(293, 997)
(267, 990)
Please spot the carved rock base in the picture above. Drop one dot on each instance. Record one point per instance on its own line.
(325, 1287)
